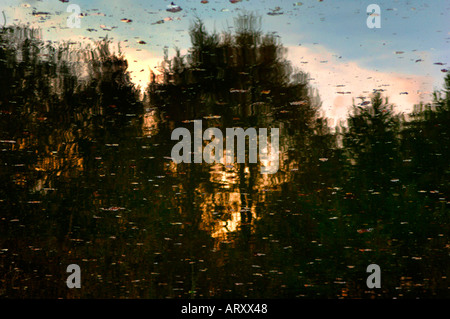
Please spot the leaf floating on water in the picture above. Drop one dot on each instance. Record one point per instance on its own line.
(112, 209)
(105, 28)
(238, 91)
(40, 13)
(98, 14)
(275, 12)
(212, 117)
(362, 231)
(298, 103)
(173, 8)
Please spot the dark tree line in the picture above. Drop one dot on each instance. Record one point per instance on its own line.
(78, 165)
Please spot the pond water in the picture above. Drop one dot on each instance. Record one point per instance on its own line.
(87, 178)
(105, 194)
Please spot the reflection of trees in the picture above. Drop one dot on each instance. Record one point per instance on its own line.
(53, 107)
(372, 143)
(425, 143)
(238, 80)
(230, 75)
(86, 177)
(59, 108)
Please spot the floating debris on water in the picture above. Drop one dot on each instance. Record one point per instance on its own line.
(172, 7)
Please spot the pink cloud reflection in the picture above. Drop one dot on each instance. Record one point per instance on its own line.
(338, 82)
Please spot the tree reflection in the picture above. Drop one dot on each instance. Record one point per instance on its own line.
(87, 177)
(243, 80)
